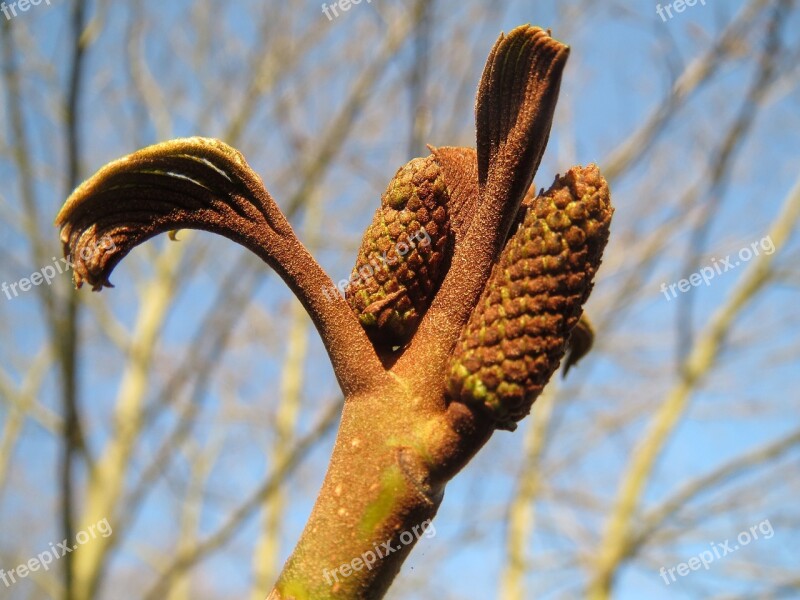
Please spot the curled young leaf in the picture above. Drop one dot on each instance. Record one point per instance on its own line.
(190, 183)
(514, 112)
(202, 183)
(515, 103)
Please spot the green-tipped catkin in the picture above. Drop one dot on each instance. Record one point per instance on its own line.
(519, 330)
(402, 258)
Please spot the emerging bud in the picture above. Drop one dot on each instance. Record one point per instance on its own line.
(402, 259)
(520, 328)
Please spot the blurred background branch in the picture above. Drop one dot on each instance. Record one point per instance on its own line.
(193, 408)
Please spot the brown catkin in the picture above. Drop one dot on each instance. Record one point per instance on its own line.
(519, 330)
(402, 258)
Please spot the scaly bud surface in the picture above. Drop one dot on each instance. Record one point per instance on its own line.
(403, 255)
(519, 330)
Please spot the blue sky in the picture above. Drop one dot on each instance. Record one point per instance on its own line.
(622, 62)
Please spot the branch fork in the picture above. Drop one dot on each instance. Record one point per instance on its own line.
(417, 410)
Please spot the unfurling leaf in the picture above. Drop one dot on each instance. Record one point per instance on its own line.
(190, 183)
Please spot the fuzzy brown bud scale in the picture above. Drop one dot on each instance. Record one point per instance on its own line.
(519, 330)
(402, 258)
